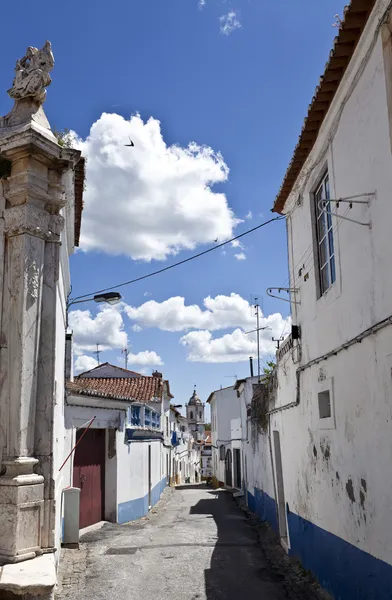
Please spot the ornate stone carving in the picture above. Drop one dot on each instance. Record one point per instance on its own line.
(28, 90)
(27, 219)
(32, 74)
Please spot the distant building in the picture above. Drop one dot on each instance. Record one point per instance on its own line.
(225, 413)
(119, 421)
(186, 455)
(206, 457)
(195, 416)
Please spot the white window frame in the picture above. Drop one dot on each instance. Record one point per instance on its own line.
(324, 236)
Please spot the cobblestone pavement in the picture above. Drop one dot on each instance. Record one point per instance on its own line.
(197, 544)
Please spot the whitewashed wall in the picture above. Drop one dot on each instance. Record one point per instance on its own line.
(62, 436)
(256, 461)
(225, 406)
(336, 487)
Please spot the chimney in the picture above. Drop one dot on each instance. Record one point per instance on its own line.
(251, 366)
(157, 374)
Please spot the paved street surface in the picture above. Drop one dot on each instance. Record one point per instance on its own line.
(196, 545)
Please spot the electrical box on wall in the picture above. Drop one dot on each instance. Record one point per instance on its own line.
(295, 332)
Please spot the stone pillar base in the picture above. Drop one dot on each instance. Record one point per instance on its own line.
(21, 511)
(34, 580)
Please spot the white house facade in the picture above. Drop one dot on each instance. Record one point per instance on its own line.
(116, 419)
(225, 434)
(330, 427)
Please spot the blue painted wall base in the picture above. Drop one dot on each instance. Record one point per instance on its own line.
(341, 568)
(263, 506)
(137, 508)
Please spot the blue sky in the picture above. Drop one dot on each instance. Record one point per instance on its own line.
(235, 77)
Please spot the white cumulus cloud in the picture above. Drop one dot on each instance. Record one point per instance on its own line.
(229, 22)
(105, 329)
(173, 314)
(152, 200)
(220, 312)
(84, 363)
(240, 256)
(236, 346)
(231, 347)
(136, 328)
(147, 357)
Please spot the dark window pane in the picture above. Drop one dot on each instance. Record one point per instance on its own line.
(321, 227)
(327, 195)
(324, 279)
(323, 252)
(330, 239)
(328, 207)
(333, 273)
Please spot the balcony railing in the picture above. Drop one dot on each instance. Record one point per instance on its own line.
(285, 347)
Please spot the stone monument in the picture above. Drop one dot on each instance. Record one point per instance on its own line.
(35, 177)
(29, 87)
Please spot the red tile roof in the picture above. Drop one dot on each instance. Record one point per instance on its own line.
(355, 18)
(139, 389)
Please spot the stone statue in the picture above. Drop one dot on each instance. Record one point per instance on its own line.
(28, 91)
(32, 74)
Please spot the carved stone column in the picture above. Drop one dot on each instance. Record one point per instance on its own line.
(28, 239)
(46, 428)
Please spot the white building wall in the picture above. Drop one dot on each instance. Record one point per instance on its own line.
(336, 491)
(61, 437)
(225, 406)
(256, 460)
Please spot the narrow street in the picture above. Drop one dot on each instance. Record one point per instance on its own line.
(197, 544)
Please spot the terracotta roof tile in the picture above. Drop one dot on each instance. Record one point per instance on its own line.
(355, 18)
(140, 389)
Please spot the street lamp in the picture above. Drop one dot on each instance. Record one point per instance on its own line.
(107, 297)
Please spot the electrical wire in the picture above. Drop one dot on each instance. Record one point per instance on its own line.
(181, 262)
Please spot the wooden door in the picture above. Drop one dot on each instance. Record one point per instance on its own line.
(89, 475)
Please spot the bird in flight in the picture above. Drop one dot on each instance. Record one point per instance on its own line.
(130, 145)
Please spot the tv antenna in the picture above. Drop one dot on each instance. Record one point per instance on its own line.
(97, 353)
(258, 329)
(125, 351)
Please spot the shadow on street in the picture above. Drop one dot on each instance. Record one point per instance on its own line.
(237, 568)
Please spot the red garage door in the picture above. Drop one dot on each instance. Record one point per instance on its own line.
(89, 475)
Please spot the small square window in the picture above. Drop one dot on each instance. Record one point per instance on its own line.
(324, 404)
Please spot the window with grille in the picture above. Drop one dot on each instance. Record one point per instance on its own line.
(324, 236)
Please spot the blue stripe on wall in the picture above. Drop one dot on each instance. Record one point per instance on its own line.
(264, 507)
(341, 568)
(134, 509)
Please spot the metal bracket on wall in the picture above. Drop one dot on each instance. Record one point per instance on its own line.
(350, 200)
(282, 289)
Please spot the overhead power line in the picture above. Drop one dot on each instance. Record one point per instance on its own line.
(181, 262)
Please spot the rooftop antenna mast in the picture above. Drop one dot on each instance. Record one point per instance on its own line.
(97, 353)
(125, 351)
